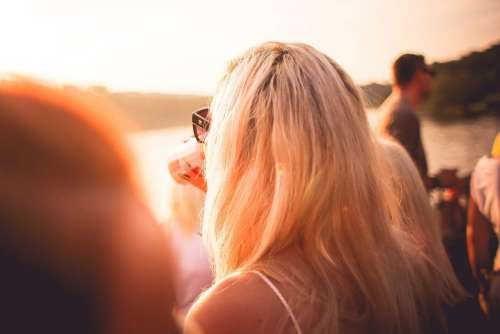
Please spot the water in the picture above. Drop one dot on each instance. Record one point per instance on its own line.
(457, 144)
(152, 149)
(454, 145)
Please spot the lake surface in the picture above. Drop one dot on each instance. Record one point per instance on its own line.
(448, 145)
(455, 145)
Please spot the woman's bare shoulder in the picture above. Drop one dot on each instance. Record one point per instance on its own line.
(242, 303)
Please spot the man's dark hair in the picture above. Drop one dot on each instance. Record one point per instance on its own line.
(405, 67)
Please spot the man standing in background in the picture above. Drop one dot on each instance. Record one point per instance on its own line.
(412, 81)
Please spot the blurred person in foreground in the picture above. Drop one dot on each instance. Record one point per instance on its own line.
(462, 312)
(79, 250)
(483, 230)
(412, 83)
(183, 227)
(299, 218)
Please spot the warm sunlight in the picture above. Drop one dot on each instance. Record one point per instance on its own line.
(342, 175)
(182, 46)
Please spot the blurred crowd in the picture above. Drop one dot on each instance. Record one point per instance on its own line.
(288, 213)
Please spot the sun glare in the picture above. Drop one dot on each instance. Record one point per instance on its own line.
(182, 46)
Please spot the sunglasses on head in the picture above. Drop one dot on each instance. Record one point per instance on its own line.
(201, 124)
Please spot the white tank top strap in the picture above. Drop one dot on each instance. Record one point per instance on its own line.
(281, 298)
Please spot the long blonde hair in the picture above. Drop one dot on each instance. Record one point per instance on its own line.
(420, 222)
(291, 163)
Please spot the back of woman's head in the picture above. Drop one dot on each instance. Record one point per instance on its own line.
(79, 251)
(410, 190)
(291, 163)
(420, 222)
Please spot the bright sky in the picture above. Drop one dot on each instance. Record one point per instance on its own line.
(183, 45)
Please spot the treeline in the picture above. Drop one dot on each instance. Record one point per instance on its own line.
(148, 111)
(156, 111)
(374, 94)
(466, 87)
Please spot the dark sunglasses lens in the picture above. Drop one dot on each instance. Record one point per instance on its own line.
(200, 124)
(203, 112)
(200, 133)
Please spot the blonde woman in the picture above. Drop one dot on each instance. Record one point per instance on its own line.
(299, 215)
(420, 222)
(417, 215)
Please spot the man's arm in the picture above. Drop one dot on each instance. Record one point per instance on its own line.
(478, 232)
